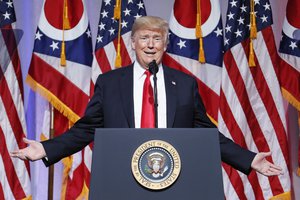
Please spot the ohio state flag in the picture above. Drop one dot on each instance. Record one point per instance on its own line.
(60, 70)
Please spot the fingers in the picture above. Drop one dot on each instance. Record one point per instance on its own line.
(18, 154)
(272, 172)
(272, 166)
(266, 154)
(21, 152)
(27, 141)
(13, 154)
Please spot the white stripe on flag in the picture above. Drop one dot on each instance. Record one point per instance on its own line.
(209, 74)
(15, 92)
(228, 188)
(76, 161)
(88, 157)
(269, 74)
(248, 188)
(110, 52)
(258, 106)
(11, 144)
(4, 182)
(291, 60)
(127, 41)
(96, 70)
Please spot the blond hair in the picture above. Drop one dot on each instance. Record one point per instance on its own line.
(151, 23)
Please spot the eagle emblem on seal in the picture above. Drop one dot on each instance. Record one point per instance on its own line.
(156, 165)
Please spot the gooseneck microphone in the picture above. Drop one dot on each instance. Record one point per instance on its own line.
(153, 68)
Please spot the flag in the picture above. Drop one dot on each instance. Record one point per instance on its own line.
(15, 173)
(290, 52)
(109, 36)
(113, 40)
(60, 70)
(298, 171)
(251, 104)
(183, 49)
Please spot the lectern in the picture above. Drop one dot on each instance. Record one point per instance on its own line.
(158, 164)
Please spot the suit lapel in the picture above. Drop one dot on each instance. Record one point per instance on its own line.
(171, 96)
(126, 90)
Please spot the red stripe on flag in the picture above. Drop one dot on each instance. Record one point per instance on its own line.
(257, 134)
(231, 124)
(10, 172)
(235, 181)
(46, 75)
(1, 192)
(87, 176)
(75, 185)
(87, 172)
(11, 46)
(293, 84)
(126, 60)
(92, 88)
(238, 137)
(288, 76)
(102, 60)
(61, 123)
(211, 100)
(265, 93)
(12, 113)
(241, 92)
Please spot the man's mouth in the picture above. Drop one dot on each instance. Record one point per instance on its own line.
(149, 53)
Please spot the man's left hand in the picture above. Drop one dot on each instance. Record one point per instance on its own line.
(263, 166)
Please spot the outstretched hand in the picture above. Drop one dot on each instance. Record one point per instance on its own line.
(34, 151)
(263, 166)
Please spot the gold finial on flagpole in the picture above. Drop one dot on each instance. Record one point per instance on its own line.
(117, 16)
(253, 35)
(66, 26)
(199, 33)
(117, 10)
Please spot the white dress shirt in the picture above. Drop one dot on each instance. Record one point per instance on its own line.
(138, 84)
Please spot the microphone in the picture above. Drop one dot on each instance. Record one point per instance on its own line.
(153, 69)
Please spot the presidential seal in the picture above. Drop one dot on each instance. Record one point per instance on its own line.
(156, 164)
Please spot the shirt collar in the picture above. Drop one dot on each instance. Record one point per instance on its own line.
(139, 70)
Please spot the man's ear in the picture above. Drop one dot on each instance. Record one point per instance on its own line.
(132, 43)
(165, 47)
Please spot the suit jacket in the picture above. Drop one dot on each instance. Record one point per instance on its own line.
(112, 107)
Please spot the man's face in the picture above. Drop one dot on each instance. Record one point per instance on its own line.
(149, 45)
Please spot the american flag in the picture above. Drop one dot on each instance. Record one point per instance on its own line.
(251, 104)
(107, 40)
(14, 173)
(65, 87)
(290, 52)
(107, 37)
(183, 49)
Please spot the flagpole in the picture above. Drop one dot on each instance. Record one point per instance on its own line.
(51, 168)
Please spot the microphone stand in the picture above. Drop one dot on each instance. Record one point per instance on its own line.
(153, 68)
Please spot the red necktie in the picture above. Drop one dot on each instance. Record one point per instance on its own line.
(148, 119)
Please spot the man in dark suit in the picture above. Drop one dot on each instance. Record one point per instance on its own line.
(118, 99)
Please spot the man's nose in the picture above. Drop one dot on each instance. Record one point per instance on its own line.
(150, 43)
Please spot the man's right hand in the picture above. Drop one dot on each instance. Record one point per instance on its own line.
(34, 151)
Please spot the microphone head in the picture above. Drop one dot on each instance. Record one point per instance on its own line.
(153, 67)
